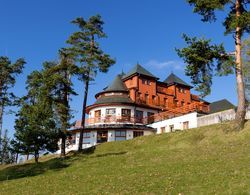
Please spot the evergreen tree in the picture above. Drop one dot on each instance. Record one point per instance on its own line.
(7, 156)
(36, 129)
(202, 57)
(88, 56)
(60, 88)
(8, 73)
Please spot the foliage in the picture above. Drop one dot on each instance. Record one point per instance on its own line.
(237, 22)
(88, 55)
(7, 155)
(205, 160)
(207, 8)
(36, 128)
(8, 73)
(246, 56)
(60, 87)
(203, 59)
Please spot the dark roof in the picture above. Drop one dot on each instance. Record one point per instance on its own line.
(138, 69)
(220, 105)
(113, 99)
(173, 79)
(116, 85)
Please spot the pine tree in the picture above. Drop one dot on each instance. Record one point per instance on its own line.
(7, 156)
(8, 73)
(36, 128)
(202, 57)
(88, 56)
(59, 85)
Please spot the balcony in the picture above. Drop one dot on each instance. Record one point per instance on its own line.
(155, 102)
(115, 120)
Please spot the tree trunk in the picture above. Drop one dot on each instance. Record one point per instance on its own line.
(27, 156)
(1, 126)
(1, 116)
(16, 159)
(63, 146)
(36, 156)
(84, 111)
(241, 109)
(65, 116)
(92, 44)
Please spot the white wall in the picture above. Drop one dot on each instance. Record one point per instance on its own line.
(217, 117)
(177, 122)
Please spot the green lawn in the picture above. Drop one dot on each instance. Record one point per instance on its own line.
(206, 160)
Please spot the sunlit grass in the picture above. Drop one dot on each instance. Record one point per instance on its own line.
(205, 160)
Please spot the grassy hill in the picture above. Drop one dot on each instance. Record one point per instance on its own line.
(205, 160)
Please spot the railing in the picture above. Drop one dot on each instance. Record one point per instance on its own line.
(171, 113)
(155, 102)
(116, 120)
(165, 90)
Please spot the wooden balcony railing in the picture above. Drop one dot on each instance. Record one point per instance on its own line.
(116, 120)
(171, 113)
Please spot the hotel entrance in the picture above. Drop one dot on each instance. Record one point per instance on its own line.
(102, 136)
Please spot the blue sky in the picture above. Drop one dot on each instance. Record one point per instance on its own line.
(144, 31)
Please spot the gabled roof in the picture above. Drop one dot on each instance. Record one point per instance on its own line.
(173, 79)
(220, 105)
(138, 69)
(116, 85)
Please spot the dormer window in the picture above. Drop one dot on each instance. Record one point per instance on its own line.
(182, 90)
(145, 82)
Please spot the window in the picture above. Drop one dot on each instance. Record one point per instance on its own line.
(181, 90)
(162, 129)
(175, 103)
(154, 99)
(165, 101)
(182, 103)
(150, 116)
(97, 115)
(120, 135)
(72, 139)
(86, 134)
(171, 128)
(111, 94)
(146, 98)
(138, 133)
(110, 111)
(102, 136)
(126, 114)
(86, 137)
(138, 116)
(185, 125)
(145, 82)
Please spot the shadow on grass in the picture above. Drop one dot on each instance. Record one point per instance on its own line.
(32, 169)
(110, 154)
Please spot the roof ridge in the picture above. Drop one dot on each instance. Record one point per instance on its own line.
(174, 79)
(116, 85)
(139, 69)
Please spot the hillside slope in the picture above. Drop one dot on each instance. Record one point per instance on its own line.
(198, 161)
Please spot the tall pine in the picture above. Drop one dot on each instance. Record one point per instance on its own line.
(203, 58)
(8, 74)
(88, 56)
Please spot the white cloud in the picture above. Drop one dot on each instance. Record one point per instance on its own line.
(172, 64)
